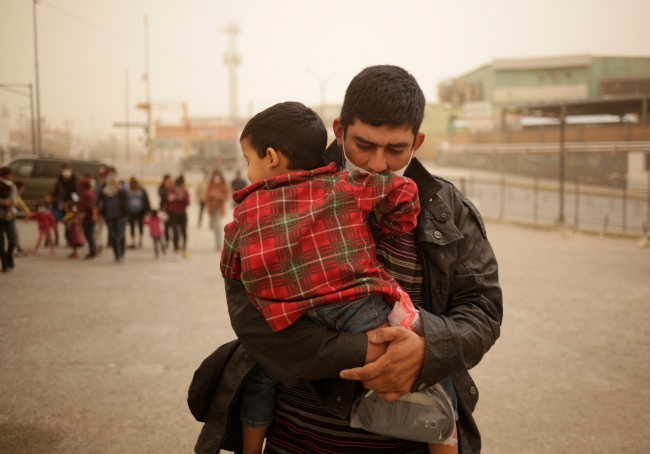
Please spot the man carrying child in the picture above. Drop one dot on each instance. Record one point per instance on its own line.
(446, 265)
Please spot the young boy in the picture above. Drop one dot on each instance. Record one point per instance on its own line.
(300, 244)
(46, 223)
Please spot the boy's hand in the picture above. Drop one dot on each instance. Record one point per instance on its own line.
(394, 373)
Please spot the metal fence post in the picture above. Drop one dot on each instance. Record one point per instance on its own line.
(535, 196)
(624, 203)
(502, 207)
(577, 196)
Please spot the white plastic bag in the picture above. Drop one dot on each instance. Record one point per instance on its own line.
(425, 416)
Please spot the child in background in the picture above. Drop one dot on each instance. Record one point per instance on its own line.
(155, 219)
(21, 206)
(46, 223)
(72, 219)
(56, 212)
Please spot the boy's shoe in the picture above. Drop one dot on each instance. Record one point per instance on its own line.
(186, 254)
(52, 251)
(131, 246)
(74, 256)
(22, 253)
(36, 253)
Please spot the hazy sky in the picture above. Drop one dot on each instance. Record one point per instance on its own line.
(83, 70)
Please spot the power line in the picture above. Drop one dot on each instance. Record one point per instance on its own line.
(124, 40)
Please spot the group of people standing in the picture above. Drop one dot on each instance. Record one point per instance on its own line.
(89, 206)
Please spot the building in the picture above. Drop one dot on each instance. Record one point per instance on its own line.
(507, 81)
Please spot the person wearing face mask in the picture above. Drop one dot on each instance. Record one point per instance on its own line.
(216, 196)
(445, 263)
(201, 192)
(64, 188)
(114, 207)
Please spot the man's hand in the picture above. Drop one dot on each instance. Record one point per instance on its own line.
(394, 373)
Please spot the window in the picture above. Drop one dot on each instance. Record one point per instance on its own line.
(22, 168)
(48, 168)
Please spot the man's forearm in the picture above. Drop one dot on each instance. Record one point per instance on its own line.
(304, 350)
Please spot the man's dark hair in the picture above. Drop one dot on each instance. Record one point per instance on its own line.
(292, 129)
(384, 95)
(4, 171)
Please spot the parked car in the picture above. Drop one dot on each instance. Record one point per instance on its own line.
(40, 173)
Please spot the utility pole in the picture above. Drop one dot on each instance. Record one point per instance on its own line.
(323, 84)
(232, 59)
(147, 90)
(38, 88)
(126, 115)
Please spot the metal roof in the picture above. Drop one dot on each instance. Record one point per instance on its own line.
(565, 61)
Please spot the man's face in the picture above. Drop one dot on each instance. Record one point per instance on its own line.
(66, 172)
(377, 148)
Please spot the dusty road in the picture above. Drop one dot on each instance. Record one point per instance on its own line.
(96, 357)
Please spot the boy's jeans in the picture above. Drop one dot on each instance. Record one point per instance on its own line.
(358, 316)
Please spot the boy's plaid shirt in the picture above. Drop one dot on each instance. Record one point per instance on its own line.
(300, 240)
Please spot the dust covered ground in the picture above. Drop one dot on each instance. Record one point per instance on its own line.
(96, 356)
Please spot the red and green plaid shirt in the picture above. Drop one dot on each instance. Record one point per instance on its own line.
(300, 240)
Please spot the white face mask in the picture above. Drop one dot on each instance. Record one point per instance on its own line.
(349, 166)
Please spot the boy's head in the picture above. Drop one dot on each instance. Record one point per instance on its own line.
(20, 186)
(40, 206)
(283, 138)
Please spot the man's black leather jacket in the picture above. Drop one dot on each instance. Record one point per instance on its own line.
(462, 320)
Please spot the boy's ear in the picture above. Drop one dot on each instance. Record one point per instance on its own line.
(273, 157)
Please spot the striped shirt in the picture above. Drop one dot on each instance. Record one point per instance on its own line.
(301, 424)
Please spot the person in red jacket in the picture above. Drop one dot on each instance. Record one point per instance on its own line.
(177, 200)
(46, 223)
(87, 212)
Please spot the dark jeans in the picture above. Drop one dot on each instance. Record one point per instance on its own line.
(117, 233)
(178, 223)
(89, 230)
(8, 229)
(136, 219)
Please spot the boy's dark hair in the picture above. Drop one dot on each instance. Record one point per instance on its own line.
(40, 203)
(19, 184)
(292, 129)
(180, 181)
(384, 95)
(4, 171)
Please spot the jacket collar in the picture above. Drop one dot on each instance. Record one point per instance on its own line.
(427, 185)
(283, 180)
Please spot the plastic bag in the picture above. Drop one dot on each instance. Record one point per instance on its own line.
(426, 416)
(405, 314)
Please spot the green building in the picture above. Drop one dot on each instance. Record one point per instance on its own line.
(507, 81)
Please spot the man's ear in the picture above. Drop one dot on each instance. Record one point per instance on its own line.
(273, 158)
(419, 140)
(337, 126)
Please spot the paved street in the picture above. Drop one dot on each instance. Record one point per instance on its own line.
(96, 357)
